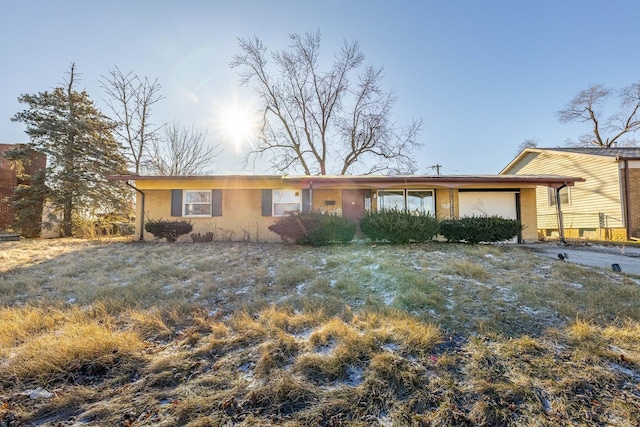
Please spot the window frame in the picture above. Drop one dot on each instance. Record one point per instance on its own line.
(565, 198)
(380, 204)
(184, 204)
(297, 194)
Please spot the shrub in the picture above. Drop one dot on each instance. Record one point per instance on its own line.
(314, 228)
(199, 238)
(476, 229)
(170, 230)
(399, 226)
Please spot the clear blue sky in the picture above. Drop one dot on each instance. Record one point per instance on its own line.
(483, 75)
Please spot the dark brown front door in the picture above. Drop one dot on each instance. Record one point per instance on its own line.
(353, 205)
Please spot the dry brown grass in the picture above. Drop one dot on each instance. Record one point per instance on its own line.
(124, 333)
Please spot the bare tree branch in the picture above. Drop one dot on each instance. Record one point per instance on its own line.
(321, 122)
(130, 98)
(181, 152)
(588, 106)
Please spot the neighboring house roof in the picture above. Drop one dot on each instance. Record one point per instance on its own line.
(376, 181)
(618, 152)
(614, 154)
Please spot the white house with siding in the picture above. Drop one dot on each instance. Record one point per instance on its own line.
(605, 206)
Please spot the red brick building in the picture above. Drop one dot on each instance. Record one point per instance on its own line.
(9, 180)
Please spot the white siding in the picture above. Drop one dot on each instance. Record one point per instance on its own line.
(600, 193)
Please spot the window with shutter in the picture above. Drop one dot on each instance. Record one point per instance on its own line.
(197, 203)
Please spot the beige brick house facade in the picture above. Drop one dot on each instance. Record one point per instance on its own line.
(241, 207)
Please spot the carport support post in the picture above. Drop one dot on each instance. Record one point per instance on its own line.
(141, 208)
(559, 209)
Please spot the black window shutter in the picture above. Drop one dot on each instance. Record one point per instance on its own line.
(216, 202)
(267, 203)
(306, 200)
(176, 202)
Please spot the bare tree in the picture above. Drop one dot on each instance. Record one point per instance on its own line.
(181, 152)
(527, 143)
(130, 100)
(324, 122)
(589, 105)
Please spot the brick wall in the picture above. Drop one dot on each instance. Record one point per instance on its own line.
(9, 181)
(634, 201)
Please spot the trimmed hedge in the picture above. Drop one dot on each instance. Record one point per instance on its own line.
(170, 230)
(476, 229)
(314, 228)
(399, 226)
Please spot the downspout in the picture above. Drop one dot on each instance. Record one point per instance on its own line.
(627, 195)
(141, 209)
(452, 208)
(310, 196)
(559, 209)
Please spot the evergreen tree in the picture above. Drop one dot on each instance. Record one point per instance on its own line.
(81, 151)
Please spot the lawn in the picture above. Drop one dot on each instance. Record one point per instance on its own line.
(121, 333)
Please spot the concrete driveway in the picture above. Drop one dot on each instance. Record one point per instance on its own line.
(597, 256)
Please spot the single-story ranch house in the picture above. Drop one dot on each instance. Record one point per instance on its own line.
(241, 207)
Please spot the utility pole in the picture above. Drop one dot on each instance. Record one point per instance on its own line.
(437, 168)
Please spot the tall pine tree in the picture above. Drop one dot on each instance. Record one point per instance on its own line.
(81, 151)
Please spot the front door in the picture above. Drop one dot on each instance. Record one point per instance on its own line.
(353, 206)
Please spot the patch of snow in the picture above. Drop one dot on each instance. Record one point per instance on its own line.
(300, 287)
(327, 349)
(385, 421)
(333, 282)
(355, 376)
(167, 289)
(575, 285)
(244, 290)
(372, 267)
(38, 393)
(391, 347)
(507, 294)
(530, 311)
(71, 301)
(433, 313)
(246, 367)
(490, 256)
(304, 335)
(624, 370)
(388, 298)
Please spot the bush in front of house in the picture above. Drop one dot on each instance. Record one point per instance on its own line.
(314, 228)
(170, 230)
(202, 238)
(476, 229)
(399, 226)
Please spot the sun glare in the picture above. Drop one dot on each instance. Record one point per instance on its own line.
(236, 123)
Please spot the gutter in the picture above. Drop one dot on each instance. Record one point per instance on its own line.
(141, 208)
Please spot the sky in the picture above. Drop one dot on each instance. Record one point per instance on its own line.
(484, 76)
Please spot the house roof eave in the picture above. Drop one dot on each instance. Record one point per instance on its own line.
(370, 181)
